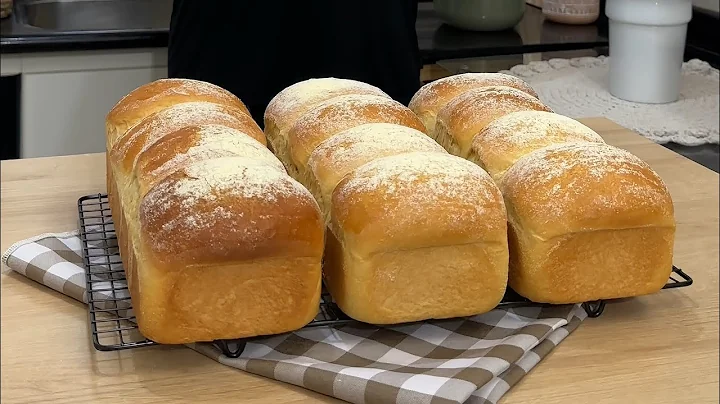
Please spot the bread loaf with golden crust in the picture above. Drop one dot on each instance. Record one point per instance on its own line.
(217, 241)
(470, 112)
(153, 97)
(160, 94)
(416, 236)
(508, 138)
(415, 233)
(290, 103)
(336, 115)
(341, 154)
(432, 97)
(587, 221)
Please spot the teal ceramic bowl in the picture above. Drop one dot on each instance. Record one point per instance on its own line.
(480, 15)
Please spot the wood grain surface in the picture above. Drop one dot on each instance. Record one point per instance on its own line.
(655, 349)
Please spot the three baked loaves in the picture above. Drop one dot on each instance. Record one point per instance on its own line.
(414, 213)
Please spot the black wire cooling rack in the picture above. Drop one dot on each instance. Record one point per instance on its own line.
(112, 322)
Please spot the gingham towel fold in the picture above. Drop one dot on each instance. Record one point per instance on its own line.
(472, 360)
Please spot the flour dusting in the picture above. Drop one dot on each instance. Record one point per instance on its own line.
(408, 186)
(511, 136)
(433, 96)
(297, 98)
(161, 89)
(341, 113)
(213, 141)
(550, 181)
(471, 111)
(369, 141)
(177, 117)
(221, 183)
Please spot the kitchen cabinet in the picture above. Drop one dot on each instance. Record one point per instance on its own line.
(65, 96)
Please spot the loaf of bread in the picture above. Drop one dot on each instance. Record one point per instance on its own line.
(432, 97)
(289, 104)
(470, 112)
(158, 95)
(416, 233)
(217, 241)
(129, 145)
(587, 221)
(341, 154)
(154, 97)
(506, 139)
(336, 115)
(416, 236)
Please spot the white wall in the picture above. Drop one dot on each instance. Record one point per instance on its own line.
(66, 95)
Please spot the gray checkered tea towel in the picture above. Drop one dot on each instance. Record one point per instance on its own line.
(466, 360)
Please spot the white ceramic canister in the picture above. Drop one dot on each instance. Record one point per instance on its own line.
(647, 43)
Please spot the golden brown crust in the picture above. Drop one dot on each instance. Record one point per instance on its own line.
(575, 187)
(241, 300)
(160, 94)
(469, 113)
(225, 248)
(342, 113)
(416, 235)
(589, 266)
(432, 97)
(196, 143)
(342, 153)
(403, 286)
(218, 242)
(588, 221)
(236, 209)
(393, 203)
(290, 103)
(176, 117)
(508, 138)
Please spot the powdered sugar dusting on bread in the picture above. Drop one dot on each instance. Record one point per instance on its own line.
(370, 140)
(434, 95)
(425, 181)
(218, 141)
(305, 94)
(582, 178)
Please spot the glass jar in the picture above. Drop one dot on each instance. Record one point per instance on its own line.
(571, 11)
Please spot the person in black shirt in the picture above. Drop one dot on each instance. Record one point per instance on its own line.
(256, 48)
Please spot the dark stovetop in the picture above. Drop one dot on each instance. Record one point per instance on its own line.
(144, 23)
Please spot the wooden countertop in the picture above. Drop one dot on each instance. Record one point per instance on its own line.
(655, 349)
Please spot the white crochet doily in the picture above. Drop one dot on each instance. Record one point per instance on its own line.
(578, 88)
